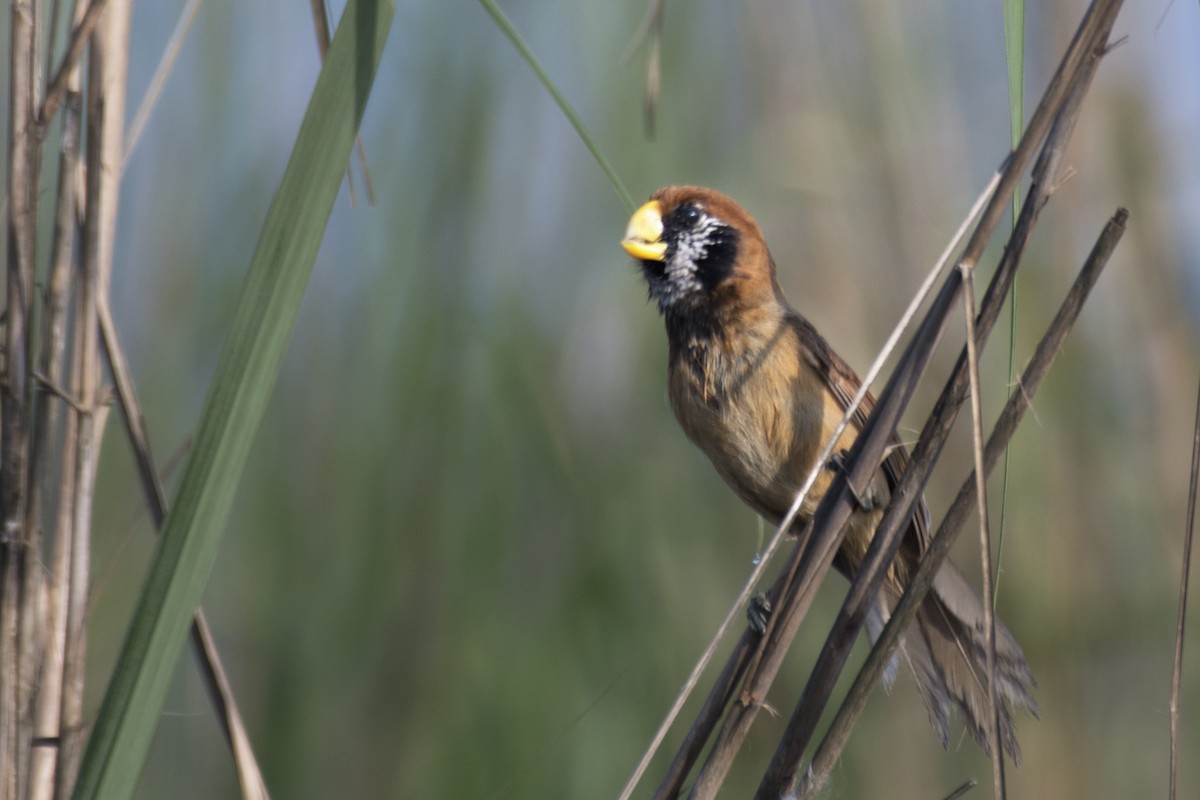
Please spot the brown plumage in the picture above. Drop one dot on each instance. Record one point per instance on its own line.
(759, 391)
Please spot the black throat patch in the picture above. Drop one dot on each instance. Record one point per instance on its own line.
(701, 253)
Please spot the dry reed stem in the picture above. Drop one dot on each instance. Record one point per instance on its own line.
(56, 623)
(868, 678)
(107, 68)
(1043, 183)
(996, 744)
(55, 8)
(649, 28)
(1078, 54)
(814, 552)
(46, 421)
(19, 588)
(87, 389)
(818, 556)
(52, 340)
(48, 730)
(81, 33)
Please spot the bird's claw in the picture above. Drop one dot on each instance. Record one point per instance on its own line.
(868, 500)
(759, 613)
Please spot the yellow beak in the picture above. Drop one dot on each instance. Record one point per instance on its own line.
(643, 238)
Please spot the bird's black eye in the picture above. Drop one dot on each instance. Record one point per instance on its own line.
(690, 215)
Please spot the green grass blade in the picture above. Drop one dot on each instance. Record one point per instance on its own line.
(249, 364)
(513, 36)
(1014, 48)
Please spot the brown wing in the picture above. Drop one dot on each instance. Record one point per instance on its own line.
(843, 383)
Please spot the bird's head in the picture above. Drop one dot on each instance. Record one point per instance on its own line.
(698, 249)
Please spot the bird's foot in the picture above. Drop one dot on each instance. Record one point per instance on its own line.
(869, 500)
(759, 613)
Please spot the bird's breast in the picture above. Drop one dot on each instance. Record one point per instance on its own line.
(761, 415)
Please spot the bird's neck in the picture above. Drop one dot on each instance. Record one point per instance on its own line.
(716, 346)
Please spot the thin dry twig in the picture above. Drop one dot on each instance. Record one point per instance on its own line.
(108, 571)
(320, 16)
(649, 28)
(650, 19)
(1181, 620)
(80, 35)
(985, 539)
(213, 673)
(962, 790)
(52, 387)
(131, 412)
(55, 9)
(212, 670)
(161, 72)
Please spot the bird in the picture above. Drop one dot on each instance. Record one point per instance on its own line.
(759, 391)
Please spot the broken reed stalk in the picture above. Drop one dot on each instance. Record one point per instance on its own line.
(1189, 531)
(1066, 88)
(868, 678)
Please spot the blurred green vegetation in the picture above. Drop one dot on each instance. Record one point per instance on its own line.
(473, 556)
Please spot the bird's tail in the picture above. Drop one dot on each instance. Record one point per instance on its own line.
(945, 648)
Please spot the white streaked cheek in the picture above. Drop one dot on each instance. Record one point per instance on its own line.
(689, 251)
(681, 276)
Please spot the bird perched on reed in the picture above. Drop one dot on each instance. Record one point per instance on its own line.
(759, 391)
